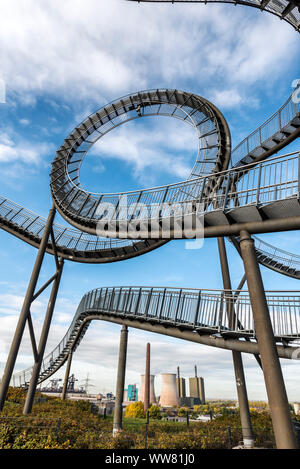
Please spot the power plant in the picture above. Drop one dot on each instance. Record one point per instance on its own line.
(173, 390)
(196, 390)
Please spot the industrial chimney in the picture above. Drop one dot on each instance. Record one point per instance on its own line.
(169, 396)
(180, 385)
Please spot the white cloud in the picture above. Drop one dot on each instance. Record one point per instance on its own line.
(232, 98)
(14, 148)
(227, 98)
(116, 47)
(24, 122)
(166, 146)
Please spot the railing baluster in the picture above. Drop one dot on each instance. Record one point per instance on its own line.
(197, 309)
(162, 303)
(119, 298)
(138, 301)
(258, 183)
(177, 308)
(148, 302)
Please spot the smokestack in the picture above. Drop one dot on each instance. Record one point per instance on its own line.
(147, 380)
(180, 382)
(197, 382)
(169, 396)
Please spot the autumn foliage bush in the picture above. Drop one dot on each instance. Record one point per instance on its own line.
(56, 424)
(135, 410)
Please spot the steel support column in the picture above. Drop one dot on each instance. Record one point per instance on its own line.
(278, 401)
(242, 394)
(25, 309)
(67, 375)
(118, 414)
(42, 343)
(147, 380)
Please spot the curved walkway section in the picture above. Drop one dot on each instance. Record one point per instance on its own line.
(275, 133)
(285, 9)
(202, 313)
(267, 191)
(83, 209)
(75, 245)
(279, 260)
(253, 195)
(71, 244)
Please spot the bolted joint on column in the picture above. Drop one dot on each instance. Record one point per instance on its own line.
(245, 238)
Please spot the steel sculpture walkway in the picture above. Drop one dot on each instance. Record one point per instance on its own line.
(279, 130)
(84, 210)
(285, 9)
(236, 193)
(190, 314)
(73, 245)
(258, 194)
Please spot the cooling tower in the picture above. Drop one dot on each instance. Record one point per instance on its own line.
(169, 396)
(142, 390)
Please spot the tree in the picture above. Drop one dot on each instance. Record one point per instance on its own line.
(135, 410)
(183, 411)
(154, 412)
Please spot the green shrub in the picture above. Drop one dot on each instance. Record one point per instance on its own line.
(154, 412)
(135, 410)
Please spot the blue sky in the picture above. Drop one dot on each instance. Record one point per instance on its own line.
(60, 62)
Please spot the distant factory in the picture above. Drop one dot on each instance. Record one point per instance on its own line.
(131, 393)
(197, 391)
(173, 391)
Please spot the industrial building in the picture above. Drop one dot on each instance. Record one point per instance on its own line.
(197, 389)
(131, 393)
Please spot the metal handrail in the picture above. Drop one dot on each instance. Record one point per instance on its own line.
(34, 224)
(213, 153)
(266, 131)
(196, 309)
(245, 185)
